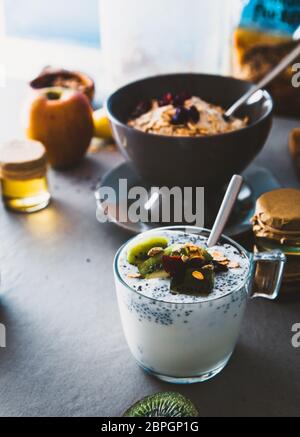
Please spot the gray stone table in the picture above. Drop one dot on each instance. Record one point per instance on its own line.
(66, 354)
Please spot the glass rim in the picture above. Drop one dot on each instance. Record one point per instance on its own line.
(170, 228)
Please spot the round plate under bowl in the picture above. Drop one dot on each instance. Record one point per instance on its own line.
(257, 181)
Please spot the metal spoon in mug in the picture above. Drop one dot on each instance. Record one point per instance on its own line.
(226, 208)
(283, 64)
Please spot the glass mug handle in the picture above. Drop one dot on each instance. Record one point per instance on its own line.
(268, 268)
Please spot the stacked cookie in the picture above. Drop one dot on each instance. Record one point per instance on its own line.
(276, 225)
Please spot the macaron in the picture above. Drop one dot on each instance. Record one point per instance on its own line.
(277, 216)
(276, 225)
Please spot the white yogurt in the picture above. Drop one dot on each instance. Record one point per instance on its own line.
(182, 338)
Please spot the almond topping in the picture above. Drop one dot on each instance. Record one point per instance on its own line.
(134, 275)
(224, 263)
(196, 256)
(233, 265)
(208, 267)
(155, 251)
(198, 275)
(192, 247)
(217, 255)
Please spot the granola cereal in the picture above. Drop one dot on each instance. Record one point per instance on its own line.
(182, 115)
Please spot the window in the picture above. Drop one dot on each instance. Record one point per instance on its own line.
(71, 21)
(36, 33)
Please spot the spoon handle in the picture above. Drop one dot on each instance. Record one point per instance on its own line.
(225, 210)
(283, 64)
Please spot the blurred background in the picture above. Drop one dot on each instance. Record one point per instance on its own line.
(116, 40)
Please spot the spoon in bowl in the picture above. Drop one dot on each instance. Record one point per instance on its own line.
(226, 208)
(283, 64)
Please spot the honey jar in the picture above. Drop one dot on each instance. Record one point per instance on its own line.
(23, 173)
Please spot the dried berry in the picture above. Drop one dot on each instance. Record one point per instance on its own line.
(181, 98)
(166, 99)
(194, 114)
(181, 116)
(197, 262)
(141, 109)
(174, 266)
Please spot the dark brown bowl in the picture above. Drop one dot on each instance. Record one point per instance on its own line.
(190, 161)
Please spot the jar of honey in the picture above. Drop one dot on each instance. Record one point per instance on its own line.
(23, 174)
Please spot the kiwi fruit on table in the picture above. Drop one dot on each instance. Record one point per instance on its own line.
(166, 404)
(139, 252)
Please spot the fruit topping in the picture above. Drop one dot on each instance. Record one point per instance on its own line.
(151, 265)
(139, 252)
(181, 98)
(181, 116)
(141, 109)
(166, 404)
(194, 114)
(191, 267)
(184, 115)
(195, 282)
(174, 265)
(159, 274)
(166, 99)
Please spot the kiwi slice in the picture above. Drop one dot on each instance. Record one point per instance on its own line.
(159, 274)
(167, 404)
(151, 265)
(154, 264)
(196, 282)
(139, 252)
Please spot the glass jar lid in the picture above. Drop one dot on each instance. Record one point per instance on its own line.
(22, 159)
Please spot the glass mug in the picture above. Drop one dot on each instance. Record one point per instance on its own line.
(198, 348)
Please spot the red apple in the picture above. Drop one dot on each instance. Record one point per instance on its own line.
(62, 120)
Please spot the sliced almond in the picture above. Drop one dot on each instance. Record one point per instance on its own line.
(192, 247)
(201, 258)
(224, 263)
(155, 251)
(198, 275)
(208, 267)
(233, 265)
(134, 275)
(217, 254)
(221, 259)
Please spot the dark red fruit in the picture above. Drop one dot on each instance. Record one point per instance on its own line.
(174, 266)
(166, 99)
(180, 98)
(194, 114)
(196, 263)
(181, 116)
(141, 109)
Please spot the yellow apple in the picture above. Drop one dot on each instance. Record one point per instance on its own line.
(62, 120)
(102, 127)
